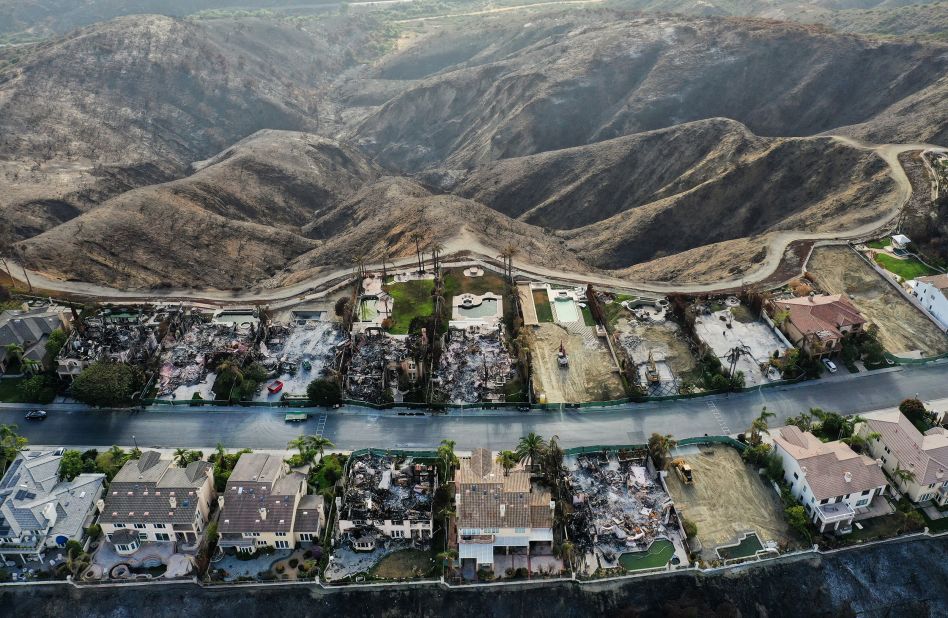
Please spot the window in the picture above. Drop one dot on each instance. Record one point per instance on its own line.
(520, 530)
(866, 492)
(121, 547)
(140, 526)
(927, 496)
(863, 502)
(159, 526)
(306, 536)
(796, 476)
(262, 543)
(250, 535)
(398, 534)
(824, 500)
(281, 533)
(162, 536)
(119, 525)
(142, 536)
(282, 544)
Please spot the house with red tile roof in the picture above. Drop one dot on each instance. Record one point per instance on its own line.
(817, 324)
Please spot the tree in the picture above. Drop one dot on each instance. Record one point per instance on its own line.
(34, 389)
(507, 460)
(447, 457)
(774, 466)
(903, 476)
(107, 384)
(344, 308)
(181, 457)
(55, 342)
(691, 528)
(73, 464)
(914, 410)
(318, 444)
(229, 377)
(11, 444)
(759, 426)
(530, 447)
(804, 421)
(659, 446)
(14, 353)
(416, 237)
(324, 392)
(447, 556)
(797, 519)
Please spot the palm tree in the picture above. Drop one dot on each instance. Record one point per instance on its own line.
(759, 426)
(298, 443)
(447, 457)
(904, 476)
(530, 447)
(566, 551)
(436, 250)
(507, 460)
(30, 365)
(416, 237)
(508, 253)
(448, 555)
(318, 444)
(659, 446)
(181, 457)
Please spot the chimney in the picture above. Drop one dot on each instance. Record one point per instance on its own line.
(100, 505)
(802, 470)
(848, 477)
(263, 513)
(220, 501)
(552, 505)
(503, 510)
(173, 502)
(940, 473)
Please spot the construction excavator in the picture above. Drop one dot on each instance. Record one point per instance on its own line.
(683, 470)
(651, 370)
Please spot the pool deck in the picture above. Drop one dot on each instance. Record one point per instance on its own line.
(526, 305)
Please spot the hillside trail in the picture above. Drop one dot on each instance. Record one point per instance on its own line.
(468, 242)
(498, 9)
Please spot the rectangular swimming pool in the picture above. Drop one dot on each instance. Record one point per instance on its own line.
(566, 310)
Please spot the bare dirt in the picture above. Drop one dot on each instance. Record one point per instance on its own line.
(591, 375)
(727, 500)
(902, 327)
(665, 338)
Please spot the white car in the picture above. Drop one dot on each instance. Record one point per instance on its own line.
(830, 365)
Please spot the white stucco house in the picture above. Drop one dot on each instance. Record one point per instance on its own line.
(932, 293)
(832, 481)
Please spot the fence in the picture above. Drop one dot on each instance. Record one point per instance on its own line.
(599, 448)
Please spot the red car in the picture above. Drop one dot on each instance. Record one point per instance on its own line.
(276, 387)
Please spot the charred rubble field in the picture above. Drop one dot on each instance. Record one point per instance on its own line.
(903, 578)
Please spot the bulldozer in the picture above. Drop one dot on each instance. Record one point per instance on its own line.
(683, 470)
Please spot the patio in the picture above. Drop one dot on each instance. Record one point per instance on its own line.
(236, 568)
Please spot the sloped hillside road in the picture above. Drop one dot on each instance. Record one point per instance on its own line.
(469, 244)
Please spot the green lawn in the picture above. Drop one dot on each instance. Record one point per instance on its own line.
(542, 302)
(657, 555)
(907, 269)
(10, 390)
(588, 317)
(456, 283)
(882, 243)
(410, 300)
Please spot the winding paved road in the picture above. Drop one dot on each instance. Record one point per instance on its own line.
(468, 243)
(351, 428)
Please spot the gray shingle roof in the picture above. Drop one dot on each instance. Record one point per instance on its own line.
(309, 514)
(151, 490)
(260, 497)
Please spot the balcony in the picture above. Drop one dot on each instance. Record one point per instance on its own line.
(831, 513)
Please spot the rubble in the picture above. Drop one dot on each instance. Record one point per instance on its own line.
(196, 345)
(300, 352)
(619, 505)
(474, 367)
(381, 488)
(376, 365)
(123, 335)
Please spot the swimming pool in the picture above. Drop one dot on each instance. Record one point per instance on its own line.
(486, 308)
(566, 310)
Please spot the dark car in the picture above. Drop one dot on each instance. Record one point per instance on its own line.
(35, 415)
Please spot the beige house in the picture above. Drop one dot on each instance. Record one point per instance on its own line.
(265, 505)
(817, 324)
(152, 500)
(834, 483)
(900, 446)
(499, 511)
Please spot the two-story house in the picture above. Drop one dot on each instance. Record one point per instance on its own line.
(917, 462)
(38, 510)
(832, 481)
(932, 293)
(152, 500)
(817, 324)
(499, 510)
(266, 505)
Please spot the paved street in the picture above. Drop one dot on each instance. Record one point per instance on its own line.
(355, 428)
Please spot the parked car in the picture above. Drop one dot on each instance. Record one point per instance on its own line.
(35, 415)
(830, 365)
(276, 387)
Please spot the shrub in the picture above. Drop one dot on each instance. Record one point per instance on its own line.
(94, 531)
(107, 384)
(280, 568)
(324, 392)
(294, 563)
(691, 528)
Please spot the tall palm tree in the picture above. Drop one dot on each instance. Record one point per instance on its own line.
(759, 426)
(530, 447)
(318, 444)
(416, 237)
(507, 460)
(448, 555)
(447, 457)
(508, 253)
(436, 250)
(904, 476)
